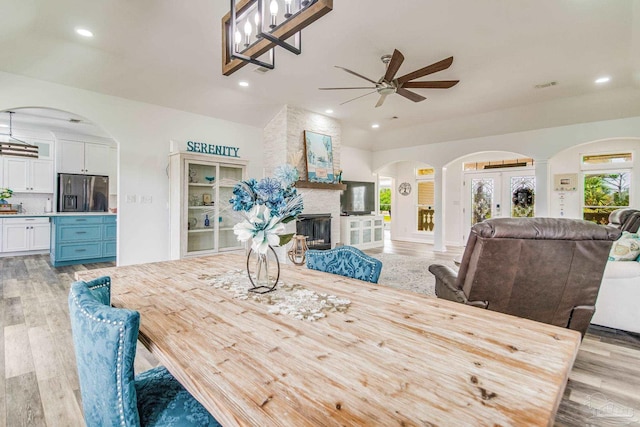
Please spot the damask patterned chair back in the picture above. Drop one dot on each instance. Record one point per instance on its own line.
(105, 341)
(346, 261)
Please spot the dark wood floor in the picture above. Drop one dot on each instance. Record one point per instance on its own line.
(40, 384)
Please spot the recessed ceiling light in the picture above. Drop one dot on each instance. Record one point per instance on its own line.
(243, 84)
(328, 111)
(4, 126)
(84, 32)
(375, 126)
(604, 79)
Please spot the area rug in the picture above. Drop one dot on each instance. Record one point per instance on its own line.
(408, 272)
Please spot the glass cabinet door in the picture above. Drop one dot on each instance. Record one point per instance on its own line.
(230, 175)
(201, 209)
(227, 217)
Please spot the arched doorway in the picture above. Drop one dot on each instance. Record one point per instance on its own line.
(410, 191)
(487, 185)
(66, 143)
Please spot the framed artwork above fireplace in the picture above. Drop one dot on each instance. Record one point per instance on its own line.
(319, 156)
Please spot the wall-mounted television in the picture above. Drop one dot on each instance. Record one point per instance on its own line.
(358, 199)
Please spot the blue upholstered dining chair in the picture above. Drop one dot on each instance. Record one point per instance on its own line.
(345, 261)
(105, 344)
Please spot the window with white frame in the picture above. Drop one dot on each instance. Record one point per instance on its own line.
(606, 184)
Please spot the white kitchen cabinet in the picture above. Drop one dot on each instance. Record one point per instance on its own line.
(83, 158)
(25, 234)
(201, 217)
(24, 175)
(45, 149)
(362, 231)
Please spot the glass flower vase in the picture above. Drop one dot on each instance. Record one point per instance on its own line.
(263, 270)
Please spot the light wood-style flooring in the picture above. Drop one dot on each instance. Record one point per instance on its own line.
(40, 384)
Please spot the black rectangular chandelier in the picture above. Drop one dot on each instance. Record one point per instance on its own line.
(253, 28)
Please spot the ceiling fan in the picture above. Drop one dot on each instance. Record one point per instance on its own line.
(388, 84)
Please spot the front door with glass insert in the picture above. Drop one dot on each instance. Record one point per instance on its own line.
(498, 194)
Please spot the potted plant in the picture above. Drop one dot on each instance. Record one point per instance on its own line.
(5, 193)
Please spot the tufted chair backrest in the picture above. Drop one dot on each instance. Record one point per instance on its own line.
(105, 345)
(345, 261)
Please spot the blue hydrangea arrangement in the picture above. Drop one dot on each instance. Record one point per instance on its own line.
(267, 205)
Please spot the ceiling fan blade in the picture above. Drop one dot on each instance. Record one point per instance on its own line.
(358, 97)
(410, 95)
(394, 65)
(343, 88)
(429, 69)
(442, 84)
(381, 100)
(356, 74)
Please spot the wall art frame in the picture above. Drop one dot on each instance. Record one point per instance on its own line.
(318, 153)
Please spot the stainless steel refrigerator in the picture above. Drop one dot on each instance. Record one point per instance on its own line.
(83, 193)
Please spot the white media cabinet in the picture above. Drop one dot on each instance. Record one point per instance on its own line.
(362, 231)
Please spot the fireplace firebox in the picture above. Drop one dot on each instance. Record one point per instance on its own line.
(317, 228)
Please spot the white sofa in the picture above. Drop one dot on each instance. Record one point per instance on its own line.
(618, 303)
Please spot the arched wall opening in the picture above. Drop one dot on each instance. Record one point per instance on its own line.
(62, 137)
(144, 133)
(413, 187)
(569, 203)
(458, 196)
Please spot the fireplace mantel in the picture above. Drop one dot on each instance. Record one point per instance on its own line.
(320, 185)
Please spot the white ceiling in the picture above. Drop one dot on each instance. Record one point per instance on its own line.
(167, 52)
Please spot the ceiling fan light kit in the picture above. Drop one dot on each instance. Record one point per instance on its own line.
(253, 28)
(388, 84)
(15, 146)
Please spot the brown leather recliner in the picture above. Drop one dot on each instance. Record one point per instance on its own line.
(625, 219)
(543, 269)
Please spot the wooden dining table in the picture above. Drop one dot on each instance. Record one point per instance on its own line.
(384, 356)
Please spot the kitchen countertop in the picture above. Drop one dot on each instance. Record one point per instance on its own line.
(50, 214)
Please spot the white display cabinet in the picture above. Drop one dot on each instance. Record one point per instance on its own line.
(201, 217)
(362, 231)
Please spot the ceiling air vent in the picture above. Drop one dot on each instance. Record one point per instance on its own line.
(545, 85)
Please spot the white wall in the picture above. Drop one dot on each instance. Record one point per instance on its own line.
(456, 223)
(142, 132)
(357, 165)
(568, 161)
(404, 214)
(540, 144)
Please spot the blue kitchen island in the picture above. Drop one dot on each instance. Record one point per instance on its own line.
(83, 238)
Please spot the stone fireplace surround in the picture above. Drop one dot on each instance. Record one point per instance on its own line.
(283, 139)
